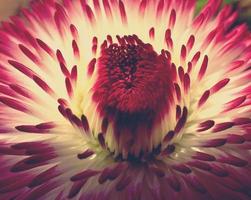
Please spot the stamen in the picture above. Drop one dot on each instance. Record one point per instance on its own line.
(120, 68)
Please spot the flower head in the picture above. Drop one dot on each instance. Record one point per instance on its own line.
(125, 100)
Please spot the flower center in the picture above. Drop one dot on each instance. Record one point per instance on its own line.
(132, 93)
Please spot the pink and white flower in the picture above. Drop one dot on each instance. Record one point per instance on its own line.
(130, 100)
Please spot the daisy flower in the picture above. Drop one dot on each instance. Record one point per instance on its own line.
(129, 100)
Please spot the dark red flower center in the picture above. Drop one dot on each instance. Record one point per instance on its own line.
(133, 88)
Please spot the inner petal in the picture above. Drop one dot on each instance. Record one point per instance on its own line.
(133, 92)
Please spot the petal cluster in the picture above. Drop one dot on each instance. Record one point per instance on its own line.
(130, 100)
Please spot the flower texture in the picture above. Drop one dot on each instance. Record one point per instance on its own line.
(130, 100)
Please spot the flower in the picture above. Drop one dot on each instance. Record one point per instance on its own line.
(130, 100)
